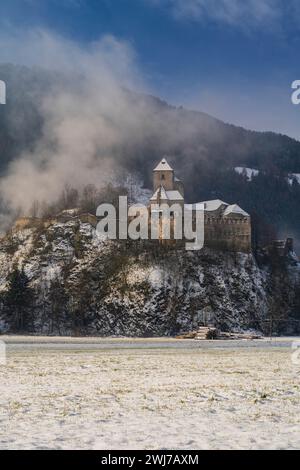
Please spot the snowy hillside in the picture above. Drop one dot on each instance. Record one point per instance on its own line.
(248, 172)
(73, 283)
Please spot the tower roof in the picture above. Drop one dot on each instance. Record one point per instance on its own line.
(164, 195)
(163, 166)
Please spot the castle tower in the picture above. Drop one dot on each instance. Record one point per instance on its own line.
(163, 175)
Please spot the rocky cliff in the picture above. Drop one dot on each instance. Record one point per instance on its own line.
(57, 277)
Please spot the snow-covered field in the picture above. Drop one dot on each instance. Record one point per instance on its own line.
(200, 398)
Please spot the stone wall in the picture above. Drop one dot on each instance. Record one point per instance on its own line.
(232, 233)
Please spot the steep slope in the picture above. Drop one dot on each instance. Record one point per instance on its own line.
(78, 284)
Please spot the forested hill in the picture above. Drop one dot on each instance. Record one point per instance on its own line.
(203, 150)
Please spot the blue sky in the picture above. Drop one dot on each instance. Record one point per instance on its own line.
(235, 59)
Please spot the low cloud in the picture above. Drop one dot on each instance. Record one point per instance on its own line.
(85, 116)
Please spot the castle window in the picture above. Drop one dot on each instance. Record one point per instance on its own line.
(163, 177)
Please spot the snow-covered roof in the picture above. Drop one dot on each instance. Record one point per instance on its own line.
(213, 205)
(174, 195)
(235, 209)
(167, 195)
(163, 194)
(163, 166)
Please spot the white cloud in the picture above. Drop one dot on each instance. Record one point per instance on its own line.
(243, 14)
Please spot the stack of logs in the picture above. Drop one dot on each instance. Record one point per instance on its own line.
(206, 332)
(211, 333)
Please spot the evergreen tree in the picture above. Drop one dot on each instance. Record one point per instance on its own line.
(58, 300)
(18, 302)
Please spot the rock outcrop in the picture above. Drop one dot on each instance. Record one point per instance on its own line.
(82, 285)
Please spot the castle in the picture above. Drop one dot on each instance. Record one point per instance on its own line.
(226, 226)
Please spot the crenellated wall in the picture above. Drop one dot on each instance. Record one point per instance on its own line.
(231, 232)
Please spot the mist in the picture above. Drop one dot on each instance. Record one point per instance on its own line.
(86, 116)
(98, 120)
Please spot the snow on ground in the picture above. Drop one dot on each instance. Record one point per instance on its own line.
(242, 398)
(252, 172)
(139, 274)
(249, 172)
(294, 177)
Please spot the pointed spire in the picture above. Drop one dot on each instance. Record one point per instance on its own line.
(163, 166)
